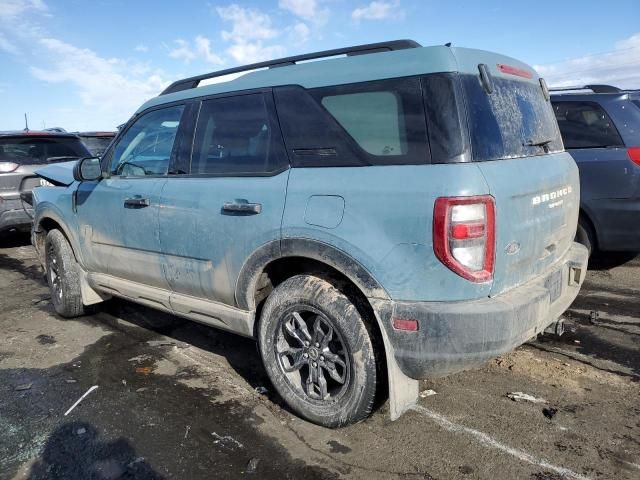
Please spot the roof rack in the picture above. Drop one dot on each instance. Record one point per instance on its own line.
(192, 82)
(594, 88)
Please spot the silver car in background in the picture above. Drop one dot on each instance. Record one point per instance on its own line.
(21, 153)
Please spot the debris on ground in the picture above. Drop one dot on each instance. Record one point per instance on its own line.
(549, 412)
(81, 431)
(71, 380)
(517, 396)
(141, 389)
(24, 386)
(261, 390)
(593, 316)
(80, 399)
(226, 441)
(427, 393)
(161, 343)
(144, 370)
(252, 465)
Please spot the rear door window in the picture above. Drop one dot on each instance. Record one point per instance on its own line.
(236, 135)
(514, 121)
(586, 125)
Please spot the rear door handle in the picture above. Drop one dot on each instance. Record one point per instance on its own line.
(242, 206)
(136, 202)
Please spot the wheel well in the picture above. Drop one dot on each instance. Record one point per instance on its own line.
(584, 216)
(40, 234)
(281, 269)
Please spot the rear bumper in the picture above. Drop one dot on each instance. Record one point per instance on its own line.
(453, 336)
(13, 215)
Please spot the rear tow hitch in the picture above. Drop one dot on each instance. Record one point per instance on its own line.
(556, 328)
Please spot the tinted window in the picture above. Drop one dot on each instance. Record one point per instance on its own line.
(514, 121)
(384, 118)
(146, 147)
(585, 125)
(234, 135)
(97, 145)
(38, 150)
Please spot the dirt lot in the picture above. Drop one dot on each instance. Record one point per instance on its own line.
(180, 400)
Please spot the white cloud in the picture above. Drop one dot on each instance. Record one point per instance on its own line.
(200, 49)
(378, 10)
(182, 51)
(619, 67)
(15, 8)
(300, 33)
(306, 9)
(110, 89)
(141, 48)
(250, 30)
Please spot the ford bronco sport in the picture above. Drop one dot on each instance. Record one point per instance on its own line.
(393, 214)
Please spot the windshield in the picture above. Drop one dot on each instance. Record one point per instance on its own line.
(514, 121)
(96, 145)
(41, 150)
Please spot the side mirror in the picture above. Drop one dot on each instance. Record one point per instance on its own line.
(87, 169)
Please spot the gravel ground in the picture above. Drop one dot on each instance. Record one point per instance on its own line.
(180, 400)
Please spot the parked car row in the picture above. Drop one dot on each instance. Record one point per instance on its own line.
(25, 151)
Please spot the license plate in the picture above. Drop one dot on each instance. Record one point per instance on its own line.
(553, 283)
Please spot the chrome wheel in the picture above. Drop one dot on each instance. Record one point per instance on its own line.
(312, 355)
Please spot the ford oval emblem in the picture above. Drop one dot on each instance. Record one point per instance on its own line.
(512, 248)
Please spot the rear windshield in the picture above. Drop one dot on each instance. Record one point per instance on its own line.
(515, 120)
(37, 150)
(586, 125)
(96, 145)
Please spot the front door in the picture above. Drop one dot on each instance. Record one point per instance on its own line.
(230, 203)
(118, 216)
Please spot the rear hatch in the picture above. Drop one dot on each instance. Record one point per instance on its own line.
(516, 143)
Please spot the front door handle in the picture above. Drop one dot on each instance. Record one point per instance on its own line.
(136, 202)
(242, 206)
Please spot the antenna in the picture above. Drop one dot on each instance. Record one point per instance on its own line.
(26, 123)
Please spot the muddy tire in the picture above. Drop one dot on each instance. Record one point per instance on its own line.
(318, 352)
(63, 276)
(585, 235)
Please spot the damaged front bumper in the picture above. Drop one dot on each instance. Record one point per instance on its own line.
(453, 336)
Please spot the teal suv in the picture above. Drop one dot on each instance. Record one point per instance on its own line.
(391, 213)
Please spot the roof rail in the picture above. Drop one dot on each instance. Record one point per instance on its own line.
(192, 82)
(595, 88)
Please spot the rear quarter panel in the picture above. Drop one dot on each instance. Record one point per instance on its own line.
(382, 218)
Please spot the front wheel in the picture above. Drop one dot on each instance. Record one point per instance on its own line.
(63, 276)
(317, 351)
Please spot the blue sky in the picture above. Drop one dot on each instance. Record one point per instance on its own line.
(88, 65)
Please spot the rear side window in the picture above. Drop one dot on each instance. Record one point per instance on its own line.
(514, 121)
(369, 123)
(375, 120)
(586, 125)
(235, 135)
(41, 150)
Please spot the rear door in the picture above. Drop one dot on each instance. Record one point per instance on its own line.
(225, 199)
(516, 144)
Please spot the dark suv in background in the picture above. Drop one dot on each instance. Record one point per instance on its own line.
(21, 153)
(600, 127)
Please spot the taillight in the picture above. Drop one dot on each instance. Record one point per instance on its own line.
(464, 235)
(6, 167)
(634, 154)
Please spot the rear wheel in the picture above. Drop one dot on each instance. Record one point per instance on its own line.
(317, 351)
(63, 276)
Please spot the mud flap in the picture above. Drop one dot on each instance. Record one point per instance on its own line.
(403, 391)
(89, 295)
